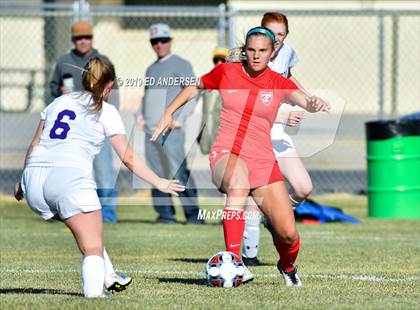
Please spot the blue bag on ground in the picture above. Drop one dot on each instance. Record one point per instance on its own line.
(310, 209)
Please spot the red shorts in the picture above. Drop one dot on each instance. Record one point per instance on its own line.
(260, 173)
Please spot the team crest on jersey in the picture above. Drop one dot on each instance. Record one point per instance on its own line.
(266, 97)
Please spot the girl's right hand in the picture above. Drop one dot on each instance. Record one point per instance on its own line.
(169, 186)
(295, 117)
(317, 104)
(18, 192)
(165, 124)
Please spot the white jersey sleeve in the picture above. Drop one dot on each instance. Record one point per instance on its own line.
(111, 120)
(285, 59)
(293, 59)
(44, 113)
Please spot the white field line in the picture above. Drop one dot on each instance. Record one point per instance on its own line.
(342, 277)
(304, 235)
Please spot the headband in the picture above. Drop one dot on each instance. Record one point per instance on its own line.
(262, 30)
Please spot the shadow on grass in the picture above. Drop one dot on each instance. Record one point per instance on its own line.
(136, 221)
(261, 264)
(184, 281)
(37, 291)
(141, 221)
(204, 261)
(190, 260)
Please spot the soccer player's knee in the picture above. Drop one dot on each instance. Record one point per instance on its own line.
(289, 237)
(238, 184)
(303, 190)
(241, 194)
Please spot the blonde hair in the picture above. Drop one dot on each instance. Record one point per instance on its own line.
(236, 54)
(96, 75)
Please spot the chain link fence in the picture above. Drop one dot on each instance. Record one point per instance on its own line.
(370, 59)
(365, 62)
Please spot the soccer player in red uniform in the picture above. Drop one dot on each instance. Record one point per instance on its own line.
(242, 160)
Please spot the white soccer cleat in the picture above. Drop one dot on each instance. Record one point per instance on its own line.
(290, 278)
(115, 282)
(248, 275)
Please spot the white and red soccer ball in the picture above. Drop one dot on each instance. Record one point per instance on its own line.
(225, 269)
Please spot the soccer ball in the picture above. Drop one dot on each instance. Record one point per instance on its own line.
(225, 269)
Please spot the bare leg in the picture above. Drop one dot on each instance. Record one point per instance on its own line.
(296, 175)
(109, 268)
(231, 176)
(87, 230)
(274, 201)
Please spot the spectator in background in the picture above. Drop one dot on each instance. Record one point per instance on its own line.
(67, 77)
(212, 106)
(166, 156)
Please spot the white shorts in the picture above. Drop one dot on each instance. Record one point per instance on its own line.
(65, 191)
(282, 143)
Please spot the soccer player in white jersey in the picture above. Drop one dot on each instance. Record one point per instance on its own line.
(57, 180)
(290, 164)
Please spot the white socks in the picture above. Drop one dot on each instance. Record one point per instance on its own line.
(251, 237)
(109, 269)
(93, 275)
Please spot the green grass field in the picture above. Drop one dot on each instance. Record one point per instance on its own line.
(374, 265)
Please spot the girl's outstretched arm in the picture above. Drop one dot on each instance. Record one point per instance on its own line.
(137, 165)
(183, 97)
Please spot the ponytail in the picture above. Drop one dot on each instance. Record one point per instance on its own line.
(236, 54)
(96, 75)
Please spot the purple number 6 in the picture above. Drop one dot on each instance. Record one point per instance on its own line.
(55, 133)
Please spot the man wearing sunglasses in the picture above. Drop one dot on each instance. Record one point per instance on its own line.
(166, 156)
(66, 77)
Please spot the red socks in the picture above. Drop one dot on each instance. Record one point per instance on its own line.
(233, 228)
(288, 254)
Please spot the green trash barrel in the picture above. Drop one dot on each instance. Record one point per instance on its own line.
(393, 160)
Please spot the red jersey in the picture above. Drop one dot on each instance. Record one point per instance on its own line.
(249, 109)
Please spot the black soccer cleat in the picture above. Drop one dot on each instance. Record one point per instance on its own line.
(290, 278)
(251, 261)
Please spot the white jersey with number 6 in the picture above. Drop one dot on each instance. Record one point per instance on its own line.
(73, 133)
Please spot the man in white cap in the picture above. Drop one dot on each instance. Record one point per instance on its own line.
(167, 155)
